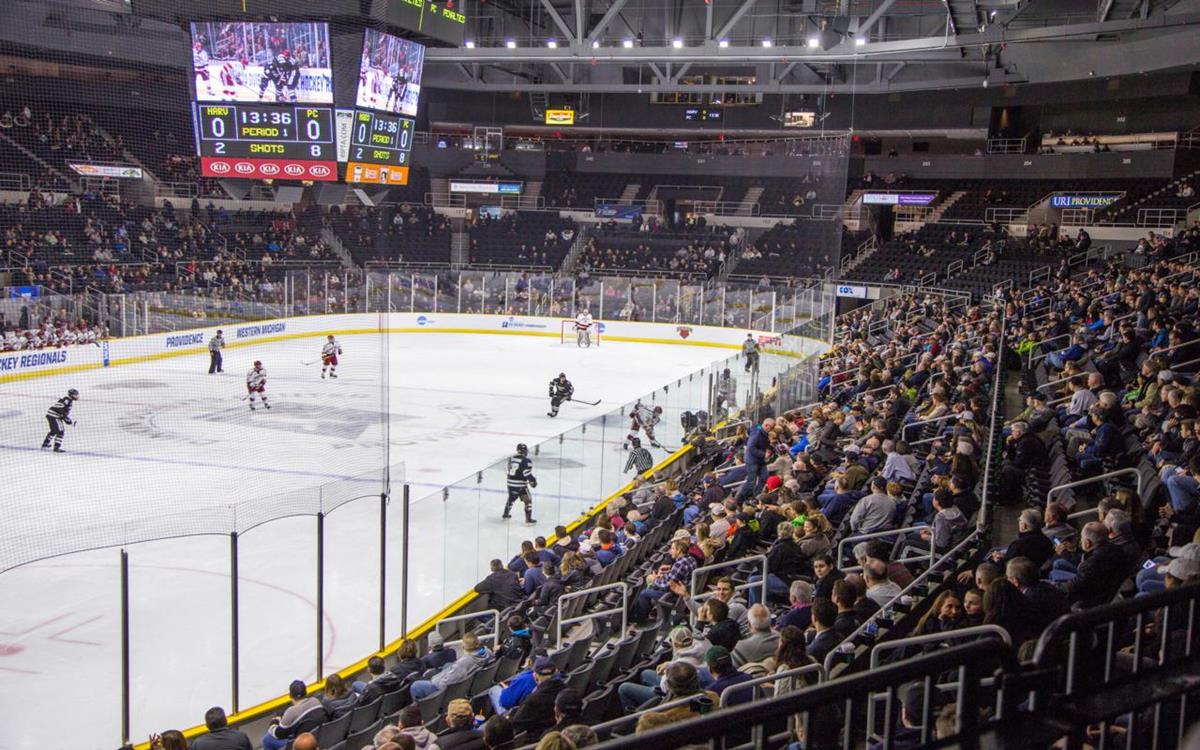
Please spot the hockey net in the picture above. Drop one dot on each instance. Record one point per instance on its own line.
(567, 333)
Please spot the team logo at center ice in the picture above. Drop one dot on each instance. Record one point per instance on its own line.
(683, 331)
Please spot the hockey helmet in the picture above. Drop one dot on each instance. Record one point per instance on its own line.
(281, 58)
(73, 394)
(562, 376)
(635, 442)
(257, 364)
(522, 449)
(198, 46)
(330, 337)
(658, 410)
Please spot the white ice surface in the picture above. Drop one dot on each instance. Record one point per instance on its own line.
(163, 448)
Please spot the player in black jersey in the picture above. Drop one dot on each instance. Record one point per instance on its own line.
(560, 390)
(397, 92)
(58, 414)
(284, 73)
(520, 479)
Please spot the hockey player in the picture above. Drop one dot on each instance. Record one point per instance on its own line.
(643, 418)
(200, 64)
(58, 414)
(233, 77)
(284, 73)
(520, 479)
(639, 457)
(329, 357)
(726, 390)
(583, 329)
(397, 91)
(750, 352)
(560, 390)
(256, 382)
(215, 345)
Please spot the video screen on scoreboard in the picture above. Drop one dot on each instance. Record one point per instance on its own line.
(389, 75)
(262, 62)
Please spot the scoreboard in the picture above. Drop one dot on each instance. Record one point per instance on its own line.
(380, 146)
(266, 141)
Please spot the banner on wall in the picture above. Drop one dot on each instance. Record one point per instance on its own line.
(898, 199)
(1095, 200)
(857, 292)
(618, 211)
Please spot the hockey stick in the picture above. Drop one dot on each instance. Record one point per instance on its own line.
(589, 403)
(307, 364)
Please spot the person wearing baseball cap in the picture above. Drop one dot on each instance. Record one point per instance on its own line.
(535, 715)
(1153, 579)
(462, 734)
(719, 661)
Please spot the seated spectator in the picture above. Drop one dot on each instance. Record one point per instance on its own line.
(502, 586)
(1024, 452)
(761, 641)
(580, 736)
(684, 647)
(535, 715)
(880, 589)
(304, 715)
(498, 734)
(800, 613)
(220, 735)
(461, 734)
(679, 572)
(411, 725)
(1030, 543)
(875, 512)
(824, 638)
(912, 706)
(681, 681)
(339, 699)
(474, 657)
(438, 656)
(382, 681)
(1100, 572)
(725, 675)
(1044, 602)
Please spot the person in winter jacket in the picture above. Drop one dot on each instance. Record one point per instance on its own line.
(519, 642)
(949, 523)
(339, 699)
(408, 664)
(535, 715)
(411, 724)
(382, 681)
(438, 656)
(304, 715)
(475, 656)
(685, 647)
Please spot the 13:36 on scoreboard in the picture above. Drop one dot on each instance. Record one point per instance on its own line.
(257, 141)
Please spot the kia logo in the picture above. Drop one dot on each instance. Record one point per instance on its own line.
(295, 170)
(269, 169)
(219, 167)
(319, 170)
(243, 167)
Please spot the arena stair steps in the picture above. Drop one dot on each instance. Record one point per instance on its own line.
(630, 193)
(460, 244)
(750, 200)
(572, 257)
(936, 215)
(37, 160)
(330, 238)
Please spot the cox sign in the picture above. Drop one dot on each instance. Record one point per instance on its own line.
(858, 292)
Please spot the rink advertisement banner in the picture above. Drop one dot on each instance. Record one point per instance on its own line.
(1094, 200)
(107, 170)
(194, 343)
(244, 167)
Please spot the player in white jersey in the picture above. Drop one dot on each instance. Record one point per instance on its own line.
(583, 329)
(200, 64)
(256, 383)
(233, 77)
(329, 357)
(643, 418)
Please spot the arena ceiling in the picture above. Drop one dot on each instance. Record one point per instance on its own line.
(811, 46)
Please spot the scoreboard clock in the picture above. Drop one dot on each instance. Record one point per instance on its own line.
(265, 141)
(380, 146)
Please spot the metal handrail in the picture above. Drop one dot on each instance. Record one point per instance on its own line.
(904, 592)
(597, 614)
(1097, 478)
(492, 613)
(1037, 344)
(699, 596)
(876, 535)
(879, 649)
(904, 429)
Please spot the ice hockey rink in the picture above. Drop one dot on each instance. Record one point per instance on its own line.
(162, 443)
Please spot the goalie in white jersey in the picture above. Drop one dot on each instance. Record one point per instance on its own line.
(256, 384)
(583, 329)
(329, 357)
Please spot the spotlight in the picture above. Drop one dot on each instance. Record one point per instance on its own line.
(766, 42)
(677, 43)
(552, 44)
(860, 42)
(813, 42)
(723, 44)
(627, 44)
(511, 44)
(469, 44)
(596, 44)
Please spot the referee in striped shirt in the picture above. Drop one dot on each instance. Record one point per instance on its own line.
(639, 457)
